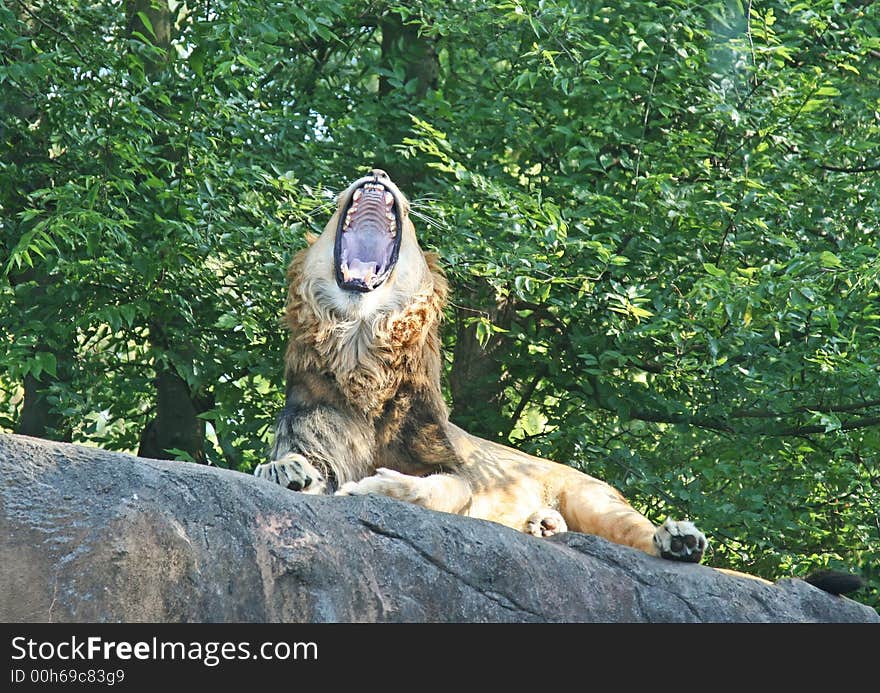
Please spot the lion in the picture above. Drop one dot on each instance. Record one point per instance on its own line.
(364, 411)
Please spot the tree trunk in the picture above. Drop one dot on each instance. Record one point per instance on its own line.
(159, 32)
(38, 416)
(403, 51)
(176, 425)
(402, 45)
(476, 380)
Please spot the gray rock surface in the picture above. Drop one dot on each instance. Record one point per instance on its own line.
(93, 536)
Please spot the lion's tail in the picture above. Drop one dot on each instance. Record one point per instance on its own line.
(835, 581)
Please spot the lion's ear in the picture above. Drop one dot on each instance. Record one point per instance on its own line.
(310, 238)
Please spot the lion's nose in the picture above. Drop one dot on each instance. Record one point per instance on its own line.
(379, 173)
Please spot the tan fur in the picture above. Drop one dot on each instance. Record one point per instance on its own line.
(370, 357)
(373, 361)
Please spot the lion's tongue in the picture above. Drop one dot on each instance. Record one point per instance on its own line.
(365, 253)
(365, 271)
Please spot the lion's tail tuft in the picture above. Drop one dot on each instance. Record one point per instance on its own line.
(835, 581)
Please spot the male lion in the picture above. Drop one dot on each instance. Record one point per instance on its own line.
(364, 411)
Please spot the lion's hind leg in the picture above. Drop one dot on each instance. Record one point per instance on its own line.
(443, 492)
(592, 506)
(545, 522)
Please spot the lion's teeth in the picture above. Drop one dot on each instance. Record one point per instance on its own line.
(389, 198)
(357, 194)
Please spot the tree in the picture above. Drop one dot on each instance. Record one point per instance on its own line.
(658, 219)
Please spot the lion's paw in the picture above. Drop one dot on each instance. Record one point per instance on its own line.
(293, 471)
(680, 541)
(545, 523)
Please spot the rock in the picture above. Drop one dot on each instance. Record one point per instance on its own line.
(95, 536)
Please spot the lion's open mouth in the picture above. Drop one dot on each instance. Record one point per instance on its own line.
(368, 238)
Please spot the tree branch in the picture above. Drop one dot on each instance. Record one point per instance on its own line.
(768, 414)
(525, 398)
(51, 28)
(688, 419)
(865, 422)
(849, 169)
(717, 424)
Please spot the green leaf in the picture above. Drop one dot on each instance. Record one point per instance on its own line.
(145, 20)
(830, 260)
(483, 332)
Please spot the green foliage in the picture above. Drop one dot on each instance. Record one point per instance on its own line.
(680, 199)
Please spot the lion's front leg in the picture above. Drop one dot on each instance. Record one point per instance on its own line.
(443, 492)
(315, 444)
(295, 472)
